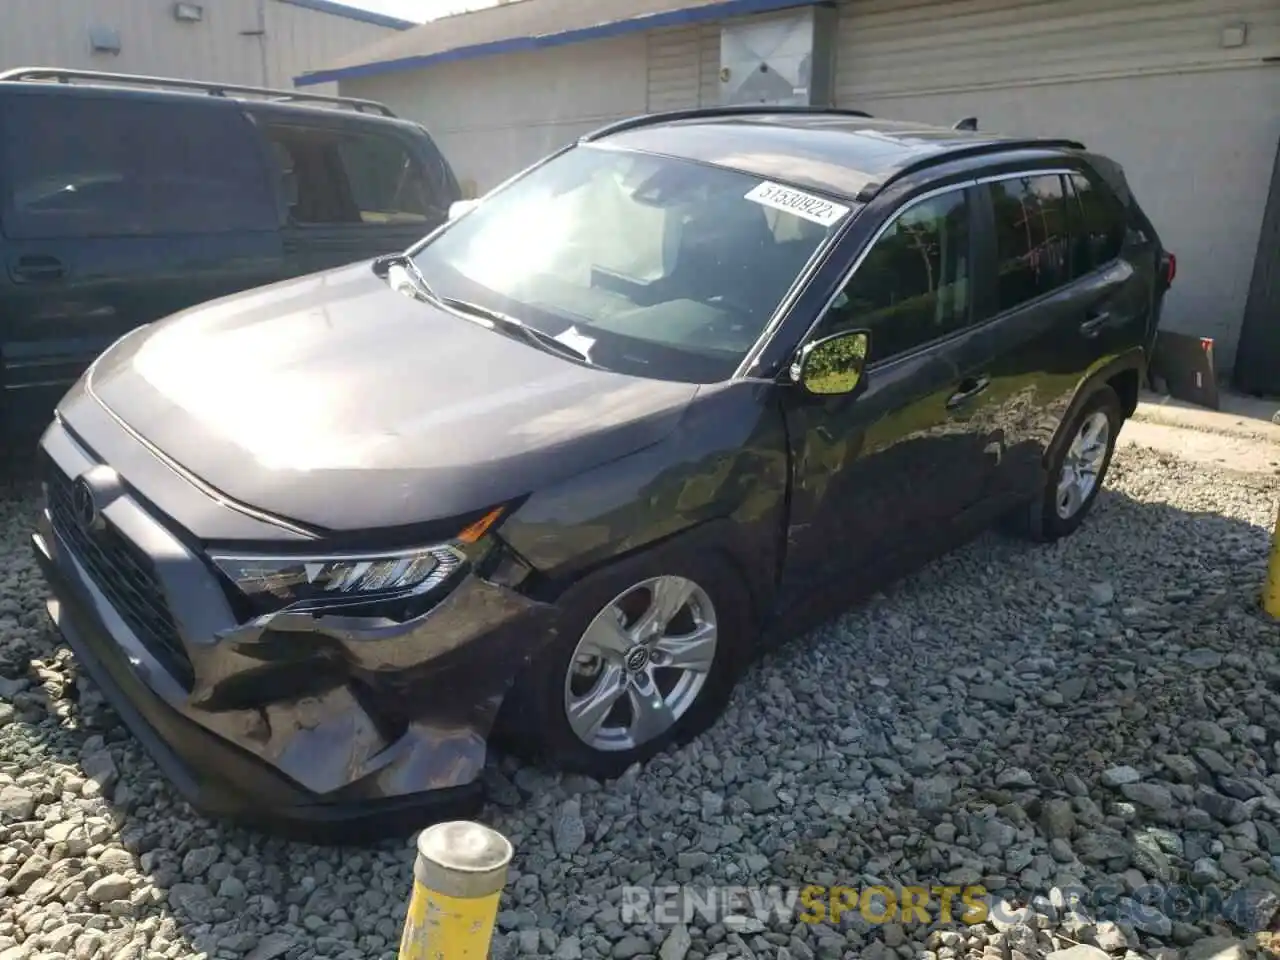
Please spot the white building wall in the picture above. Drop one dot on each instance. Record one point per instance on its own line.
(493, 116)
(299, 40)
(219, 47)
(1147, 82)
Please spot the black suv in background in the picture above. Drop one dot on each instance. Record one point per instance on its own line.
(124, 199)
(561, 469)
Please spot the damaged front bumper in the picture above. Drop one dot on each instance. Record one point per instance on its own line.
(292, 720)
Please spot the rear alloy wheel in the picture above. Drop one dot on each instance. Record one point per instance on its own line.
(1085, 459)
(1077, 468)
(641, 664)
(645, 657)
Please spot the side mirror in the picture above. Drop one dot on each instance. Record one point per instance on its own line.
(833, 365)
(459, 207)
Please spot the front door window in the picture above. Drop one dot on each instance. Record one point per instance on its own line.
(913, 286)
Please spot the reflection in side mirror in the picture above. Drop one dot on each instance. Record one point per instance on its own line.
(833, 365)
(459, 207)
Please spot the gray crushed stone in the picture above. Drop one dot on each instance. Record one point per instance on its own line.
(1100, 713)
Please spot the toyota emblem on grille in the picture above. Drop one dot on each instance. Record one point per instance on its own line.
(85, 502)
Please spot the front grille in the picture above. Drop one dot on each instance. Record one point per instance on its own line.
(125, 576)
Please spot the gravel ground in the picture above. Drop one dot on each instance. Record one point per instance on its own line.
(1104, 712)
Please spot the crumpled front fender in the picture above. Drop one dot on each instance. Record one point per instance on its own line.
(374, 708)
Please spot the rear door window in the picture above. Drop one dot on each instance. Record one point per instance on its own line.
(1032, 238)
(87, 166)
(334, 177)
(1098, 225)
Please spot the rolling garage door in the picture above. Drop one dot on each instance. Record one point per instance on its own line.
(1161, 85)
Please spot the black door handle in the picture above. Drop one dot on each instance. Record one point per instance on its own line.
(1093, 326)
(37, 270)
(969, 389)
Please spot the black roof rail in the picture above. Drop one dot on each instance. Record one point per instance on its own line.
(733, 110)
(963, 153)
(214, 89)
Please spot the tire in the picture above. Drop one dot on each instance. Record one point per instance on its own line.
(536, 718)
(1052, 516)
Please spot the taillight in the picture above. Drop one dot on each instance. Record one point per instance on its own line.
(1170, 265)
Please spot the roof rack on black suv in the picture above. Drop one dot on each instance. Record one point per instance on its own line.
(732, 110)
(979, 149)
(56, 74)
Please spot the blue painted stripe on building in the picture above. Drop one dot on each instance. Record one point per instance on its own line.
(656, 21)
(353, 13)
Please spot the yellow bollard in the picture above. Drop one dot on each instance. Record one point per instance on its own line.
(1271, 591)
(458, 878)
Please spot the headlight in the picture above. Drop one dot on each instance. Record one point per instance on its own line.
(311, 583)
(328, 582)
(333, 579)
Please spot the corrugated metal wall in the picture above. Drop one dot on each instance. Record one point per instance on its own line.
(299, 39)
(1147, 82)
(684, 67)
(45, 33)
(56, 33)
(896, 48)
(674, 68)
(709, 74)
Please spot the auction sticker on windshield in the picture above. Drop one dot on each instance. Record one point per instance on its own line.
(798, 202)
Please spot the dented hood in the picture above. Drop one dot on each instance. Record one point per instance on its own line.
(335, 402)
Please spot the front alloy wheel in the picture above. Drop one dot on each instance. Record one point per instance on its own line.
(641, 664)
(643, 656)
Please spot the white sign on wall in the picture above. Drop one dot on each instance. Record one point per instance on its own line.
(768, 60)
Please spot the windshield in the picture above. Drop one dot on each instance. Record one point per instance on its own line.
(646, 265)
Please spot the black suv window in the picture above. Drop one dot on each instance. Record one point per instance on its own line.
(81, 166)
(1031, 238)
(1098, 225)
(343, 177)
(913, 285)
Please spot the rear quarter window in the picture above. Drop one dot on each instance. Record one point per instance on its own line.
(1099, 223)
(87, 166)
(334, 176)
(1032, 239)
(439, 171)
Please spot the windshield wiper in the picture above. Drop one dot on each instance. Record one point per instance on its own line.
(404, 261)
(543, 341)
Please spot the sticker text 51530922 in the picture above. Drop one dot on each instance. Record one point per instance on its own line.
(798, 202)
